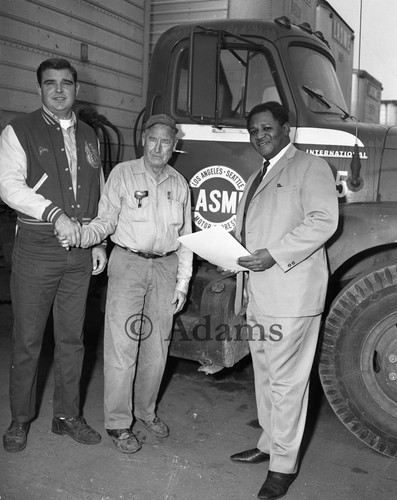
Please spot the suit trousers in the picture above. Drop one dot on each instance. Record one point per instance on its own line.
(282, 351)
(44, 276)
(138, 324)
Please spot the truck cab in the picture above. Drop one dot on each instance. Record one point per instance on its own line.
(208, 77)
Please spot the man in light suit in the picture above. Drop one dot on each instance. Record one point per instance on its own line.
(284, 219)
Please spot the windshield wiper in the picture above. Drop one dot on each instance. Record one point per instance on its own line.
(317, 95)
(325, 101)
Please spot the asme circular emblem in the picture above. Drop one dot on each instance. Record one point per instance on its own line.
(216, 191)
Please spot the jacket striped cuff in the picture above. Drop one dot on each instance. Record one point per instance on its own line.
(52, 213)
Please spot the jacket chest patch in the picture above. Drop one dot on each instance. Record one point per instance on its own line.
(91, 156)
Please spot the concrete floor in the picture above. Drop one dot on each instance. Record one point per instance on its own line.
(210, 418)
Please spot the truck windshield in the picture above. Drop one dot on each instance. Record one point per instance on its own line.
(316, 80)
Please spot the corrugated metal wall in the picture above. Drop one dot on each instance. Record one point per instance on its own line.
(298, 11)
(104, 40)
(109, 43)
(168, 13)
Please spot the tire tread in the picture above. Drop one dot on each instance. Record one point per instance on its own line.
(344, 304)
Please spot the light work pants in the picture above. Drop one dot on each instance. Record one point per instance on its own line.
(138, 323)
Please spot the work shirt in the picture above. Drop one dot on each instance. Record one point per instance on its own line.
(68, 128)
(145, 214)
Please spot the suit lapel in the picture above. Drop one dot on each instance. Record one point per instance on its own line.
(283, 162)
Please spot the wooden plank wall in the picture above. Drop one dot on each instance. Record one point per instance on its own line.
(113, 75)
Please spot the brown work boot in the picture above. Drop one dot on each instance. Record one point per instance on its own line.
(124, 440)
(15, 437)
(77, 429)
(156, 426)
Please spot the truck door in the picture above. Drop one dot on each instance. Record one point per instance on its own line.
(211, 101)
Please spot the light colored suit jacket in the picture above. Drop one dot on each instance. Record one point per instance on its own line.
(293, 213)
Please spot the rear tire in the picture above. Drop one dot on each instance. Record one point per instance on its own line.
(358, 363)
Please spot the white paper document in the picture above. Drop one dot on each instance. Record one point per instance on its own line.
(217, 246)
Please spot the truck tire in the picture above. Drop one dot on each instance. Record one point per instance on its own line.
(358, 360)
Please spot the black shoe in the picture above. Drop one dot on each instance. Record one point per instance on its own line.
(77, 429)
(276, 485)
(124, 440)
(253, 456)
(15, 437)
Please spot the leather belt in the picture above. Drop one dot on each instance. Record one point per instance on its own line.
(147, 255)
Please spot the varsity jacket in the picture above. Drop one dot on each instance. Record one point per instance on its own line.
(41, 138)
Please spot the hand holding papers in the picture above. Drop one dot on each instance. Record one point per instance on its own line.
(217, 246)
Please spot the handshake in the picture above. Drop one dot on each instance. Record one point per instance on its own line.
(69, 233)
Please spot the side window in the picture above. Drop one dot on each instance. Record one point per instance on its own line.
(261, 86)
(245, 79)
(182, 84)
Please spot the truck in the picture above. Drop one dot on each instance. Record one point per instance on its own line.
(208, 76)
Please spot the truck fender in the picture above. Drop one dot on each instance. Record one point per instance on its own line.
(362, 226)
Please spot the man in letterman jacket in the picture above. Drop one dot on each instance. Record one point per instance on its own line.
(50, 174)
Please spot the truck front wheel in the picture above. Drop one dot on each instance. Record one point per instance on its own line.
(358, 362)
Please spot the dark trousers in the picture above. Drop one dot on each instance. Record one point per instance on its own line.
(45, 275)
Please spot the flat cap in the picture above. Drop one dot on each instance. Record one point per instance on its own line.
(161, 119)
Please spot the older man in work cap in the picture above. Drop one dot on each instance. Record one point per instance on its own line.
(145, 206)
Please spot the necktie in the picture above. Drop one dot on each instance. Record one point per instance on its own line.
(250, 194)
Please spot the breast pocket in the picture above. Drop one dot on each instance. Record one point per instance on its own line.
(285, 190)
(176, 212)
(139, 211)
(286, 198)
